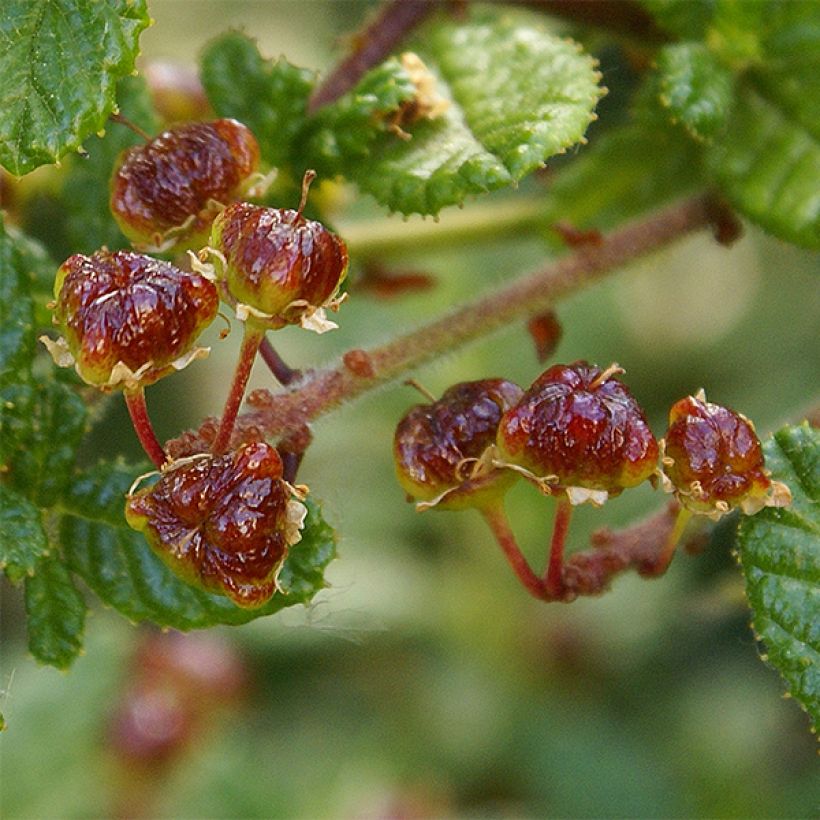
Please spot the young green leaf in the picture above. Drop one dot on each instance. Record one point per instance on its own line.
(22, 537)
(118, 565)
(56, 614)
(17, 338)
(495, 99)
(779, 551)
(770, 170)
(696, 87)
(270, 97)
(85, 193)
(59, 63)
(43, 430)
(345, 130)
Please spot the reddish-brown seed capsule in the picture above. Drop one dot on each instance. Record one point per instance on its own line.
(281, 267)
(437, 446)
(584, 429)
(222, 522)
(129, 319)
(714, 461)
(167, 192)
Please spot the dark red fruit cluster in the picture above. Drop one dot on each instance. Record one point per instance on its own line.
(582, 427)
(167, 192)
(437, 445)
(221, 522)
(279, 264)
(128, 318)
(714, 461)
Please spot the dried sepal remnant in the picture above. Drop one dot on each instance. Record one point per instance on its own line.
(439, 448)
(582, 431)
(222, 522)
(279, 268)
(713, 462)
(167, 192)
(128, 319)
(426, 104)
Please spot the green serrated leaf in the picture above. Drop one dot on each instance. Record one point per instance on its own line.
(119, 566)
(517, 95)
(770, 170)
(779, 551)
(17, 342)
(56, 614)
(268, 96)
(696, 87)
(85, 194)
(23, 540)
(345, 130)
(42, 432)
(59, 64)
(34, 261)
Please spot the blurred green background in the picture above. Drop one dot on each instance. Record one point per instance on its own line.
(425, 682)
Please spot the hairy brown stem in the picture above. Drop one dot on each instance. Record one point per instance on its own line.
(394, 21)
(324, 390)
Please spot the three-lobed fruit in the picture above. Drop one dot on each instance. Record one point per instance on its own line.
(222, 522)
(166, 193)
(129, 319)
(438, 446)
(281, 267)
(581, 430)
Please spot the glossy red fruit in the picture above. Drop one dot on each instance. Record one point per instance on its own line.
(167, 192)
(129, 319)
(284, 269)
(222, 522)
(714, 461)
(583, 428)
(437, 446)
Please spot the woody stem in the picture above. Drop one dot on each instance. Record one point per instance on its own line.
(137, 409)
(554, 576)
(496, 517)
(251, 340)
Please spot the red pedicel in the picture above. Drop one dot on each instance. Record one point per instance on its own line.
(582, 431)
(282, 268)
(167, 192)
(714, 461)
(436, 446)
(222, 522)
(129, 319)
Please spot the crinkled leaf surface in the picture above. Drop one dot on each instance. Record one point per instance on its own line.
(85, 193)
(56, 614)
(269, 96)
(17, 342)
(59, 64)
(696, 87)
(345, 130)
(22, 537)
(779, 551)
(769, 167)
(119, 566)
(517, 96)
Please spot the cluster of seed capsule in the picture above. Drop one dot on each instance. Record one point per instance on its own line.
(579, 435)
(222, 519)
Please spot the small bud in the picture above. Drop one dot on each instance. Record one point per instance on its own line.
(438, 447)
(128, 319)
(580, 431)
(222, 522)
(166, 193)
(281, 268)
(713, 461)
